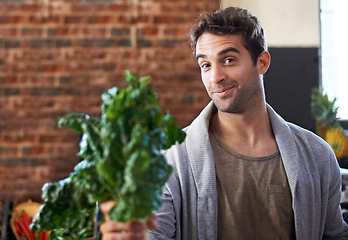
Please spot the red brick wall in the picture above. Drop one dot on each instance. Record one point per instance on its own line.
(58, 56)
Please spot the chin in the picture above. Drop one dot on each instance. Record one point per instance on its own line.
(228, 107)
(224, 107)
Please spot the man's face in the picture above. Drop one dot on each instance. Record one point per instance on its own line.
(228, 73)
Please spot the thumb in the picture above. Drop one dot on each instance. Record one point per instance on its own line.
(105, 207)
(152, 221)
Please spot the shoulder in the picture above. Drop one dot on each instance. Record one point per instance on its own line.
(310, 149)
(315, 153)
(308, 139)
(196, 137)
(304, 139)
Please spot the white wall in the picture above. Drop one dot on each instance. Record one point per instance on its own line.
(287, 23)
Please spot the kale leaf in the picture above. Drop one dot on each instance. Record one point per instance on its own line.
(122, 161)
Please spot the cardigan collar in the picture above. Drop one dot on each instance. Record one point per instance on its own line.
(203, 169)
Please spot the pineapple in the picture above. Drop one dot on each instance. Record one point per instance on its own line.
(328, 127)
(338, 141)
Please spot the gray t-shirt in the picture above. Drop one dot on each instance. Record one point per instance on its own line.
(254, 198)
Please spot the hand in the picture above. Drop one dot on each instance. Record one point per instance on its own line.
(111, 230)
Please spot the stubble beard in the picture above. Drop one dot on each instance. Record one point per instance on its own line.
(243, 99)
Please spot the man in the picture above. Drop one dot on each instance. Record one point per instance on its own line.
(243, 172)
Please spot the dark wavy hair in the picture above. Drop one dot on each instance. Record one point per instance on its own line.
(232, 21)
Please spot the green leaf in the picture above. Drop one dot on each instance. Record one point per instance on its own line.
(122, 161)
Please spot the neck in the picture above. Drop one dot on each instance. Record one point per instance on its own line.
(249, 133)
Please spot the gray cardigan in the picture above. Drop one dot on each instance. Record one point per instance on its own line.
(189, 208)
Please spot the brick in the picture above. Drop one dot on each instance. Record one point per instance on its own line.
(13, 19)
(74, 91)
(63, 80)
(7, 5)
(9, 91)
(30, 7)
(100, 19)
(31, 102)
(120, 31)
(35, 162)
(32, 32)
(109, 66)
(185, 77)
(8, 32)
(37, 80)
(99, 6)
(19, 138)
(100, 1)
(73, 19)
(57, 31)
(22, 162)
(144, 43)
(119, 7)
(80, 7)
(44, 91)
(176, 31)
(48, 43)
(53, 68)
(187, 99)
(168, 20)
(88, 102)
(146, 32)
(5, 103)
(9, 43)
(8, 151)
(141, 19)
(97, 43)
(169, 43)
(124, 19)
(60, 43)
(33, 150)
(41, 19)
(86, 54)
(31, 126)
(94, 32)
(150, 8)
(59, 164)
(125, 42)
(20, 55)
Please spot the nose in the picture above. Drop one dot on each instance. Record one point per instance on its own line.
(217, 74)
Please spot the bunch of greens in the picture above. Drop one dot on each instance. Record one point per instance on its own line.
(122, 161)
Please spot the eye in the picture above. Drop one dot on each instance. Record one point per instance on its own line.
(229, 60)
(204, 65)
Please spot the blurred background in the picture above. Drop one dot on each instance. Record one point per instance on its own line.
(58, 56)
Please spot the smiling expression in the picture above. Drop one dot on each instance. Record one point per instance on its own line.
(231, 79)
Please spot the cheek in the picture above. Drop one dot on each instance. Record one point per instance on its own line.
(205, 78)
(240, 73)
(243, 75)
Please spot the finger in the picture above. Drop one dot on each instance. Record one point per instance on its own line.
(105, 207)
(152, 222)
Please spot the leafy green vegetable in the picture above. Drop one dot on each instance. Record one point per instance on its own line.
(122, 161)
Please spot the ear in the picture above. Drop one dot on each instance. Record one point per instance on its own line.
(263, 62)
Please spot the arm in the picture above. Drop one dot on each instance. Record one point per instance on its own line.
(166, 228)
(335, 227)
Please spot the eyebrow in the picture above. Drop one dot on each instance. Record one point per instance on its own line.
(223, 52)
